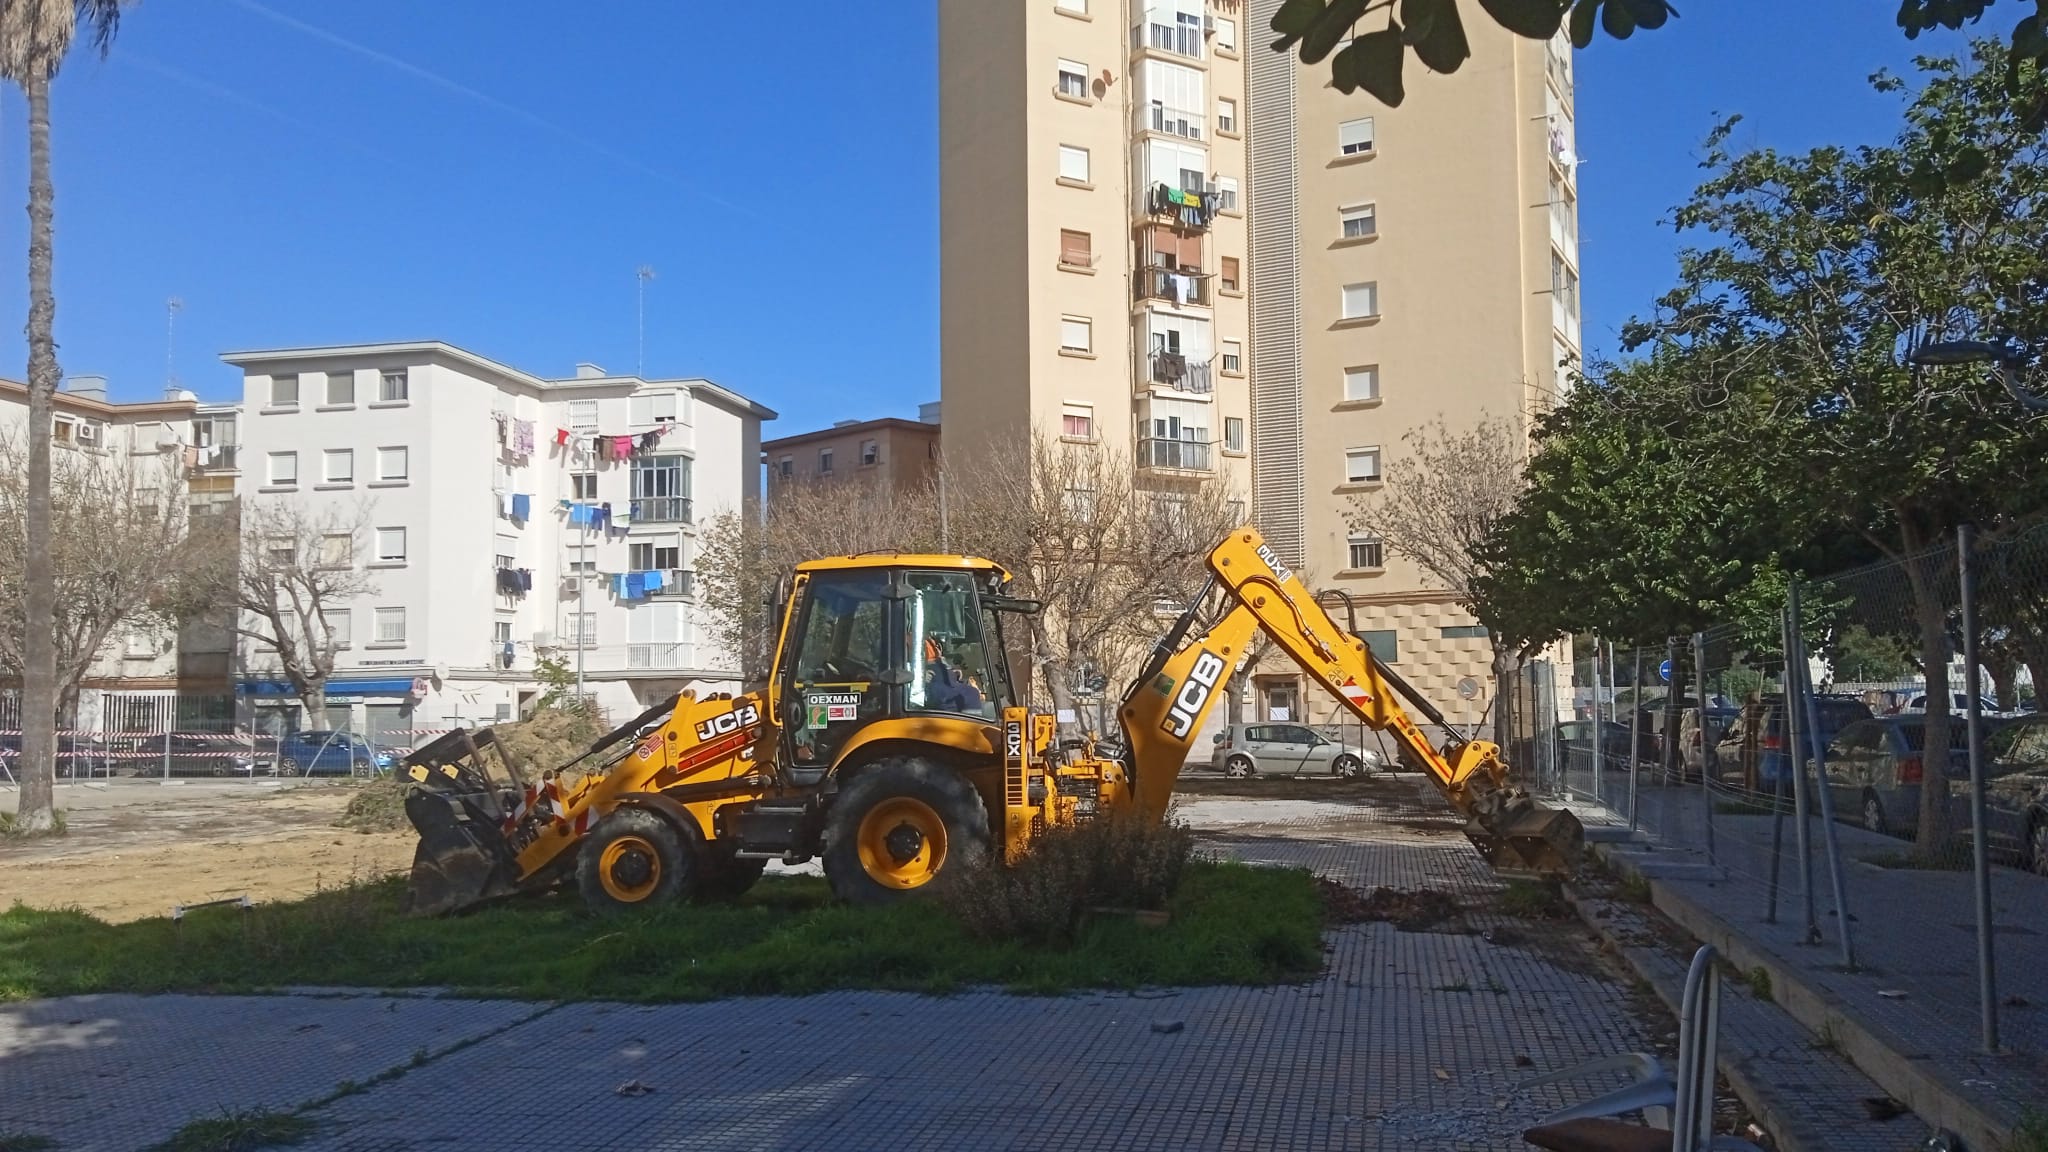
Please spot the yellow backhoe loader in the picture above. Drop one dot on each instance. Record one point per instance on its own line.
(891, 742)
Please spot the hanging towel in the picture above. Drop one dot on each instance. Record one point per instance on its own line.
(579, 513)
(619, 585)
(498, 418)
(526, 579)
(622, 447)
(505, 504)
(522, 437)
(561, 437)
(656, 580)
(604, 514)
(522, 506)
(508, 581)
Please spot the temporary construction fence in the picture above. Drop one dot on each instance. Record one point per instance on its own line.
(1781, 749)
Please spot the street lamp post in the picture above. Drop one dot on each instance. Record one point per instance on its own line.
(2005, 362)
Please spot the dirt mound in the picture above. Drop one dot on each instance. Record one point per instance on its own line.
(1416, 911)
(378, 806)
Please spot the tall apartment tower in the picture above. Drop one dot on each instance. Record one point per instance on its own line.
(1094, 240)
(1407, 264)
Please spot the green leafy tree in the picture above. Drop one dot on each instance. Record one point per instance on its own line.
(35, 37)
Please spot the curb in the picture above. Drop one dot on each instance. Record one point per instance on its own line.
(1874, 1050)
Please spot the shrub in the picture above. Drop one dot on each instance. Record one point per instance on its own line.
(1113, 861)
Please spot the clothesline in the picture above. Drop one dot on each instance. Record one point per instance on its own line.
(517, 437)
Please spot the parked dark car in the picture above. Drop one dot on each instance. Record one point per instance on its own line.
(194, 755)
(2016, 792)
(1576, 738)
(1774, 775)
(321, 753)
(1876, 768)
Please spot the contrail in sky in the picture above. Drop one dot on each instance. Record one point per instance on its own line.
(126, 56)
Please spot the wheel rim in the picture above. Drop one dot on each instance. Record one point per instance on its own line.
(1873, 814)
(1347, 766)
(630, 869)
(1238, 768)
(902, 843)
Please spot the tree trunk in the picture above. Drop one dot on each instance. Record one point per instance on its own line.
(1503, 698)
(2034, 654)
(1058, 675)
(37, 808)
(314, 697)
(1931, 616)
(2004, 669)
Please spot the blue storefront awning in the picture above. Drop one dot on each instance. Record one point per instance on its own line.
(387, 686)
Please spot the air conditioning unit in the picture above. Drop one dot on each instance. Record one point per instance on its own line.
(544, 638)
(88, 433)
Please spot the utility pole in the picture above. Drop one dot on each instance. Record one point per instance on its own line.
(582, 605)
(172, 307)
(644, 274)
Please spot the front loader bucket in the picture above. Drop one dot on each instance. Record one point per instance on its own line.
(1530, 840)
(462, 859)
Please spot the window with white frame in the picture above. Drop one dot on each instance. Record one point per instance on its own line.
(341, 388)
(1225, 188)
(1361, 300)
(824, 461)
(337, 549)
(394, 385)
(870, 453)
(657, 408)
(281, 551)
(1565, 283)
(1359, 221)
(394, 462)
(1079, 6)
(1361, 465)
(1077, 334)
(390, 545)
(1073, 79)
(579, 629)
(1176, 100)
(1362, 382)
(648, 555)
(1233, 433)
(1226, 115)
(1077, 421)
(390, 625)
(1226, 32)
(1073, 164)
(284, 469)
(583, 485)
(786, 467)
(1079, 501)
(1233, 355)
(582, 413)
(338, 465)
(1366, 552)
(284, 391)
(337, 623)
(1077, 249)
(1354, 137)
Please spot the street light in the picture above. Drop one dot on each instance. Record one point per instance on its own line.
(2005, 362)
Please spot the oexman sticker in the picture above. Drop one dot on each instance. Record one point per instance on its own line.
(822, 708)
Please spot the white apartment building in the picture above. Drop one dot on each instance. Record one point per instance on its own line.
(478, 484)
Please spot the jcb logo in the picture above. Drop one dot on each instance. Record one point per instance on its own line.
(1193, 695)
(1280, 571)
(745, 716)
(1013, 739)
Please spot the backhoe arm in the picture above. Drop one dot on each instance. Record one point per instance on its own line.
(1166, 707)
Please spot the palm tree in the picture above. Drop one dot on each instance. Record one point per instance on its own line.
(35, 36)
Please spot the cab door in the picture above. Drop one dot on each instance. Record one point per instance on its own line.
(836, 676)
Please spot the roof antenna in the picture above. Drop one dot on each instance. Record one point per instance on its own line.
(645, 273)
(172, 307)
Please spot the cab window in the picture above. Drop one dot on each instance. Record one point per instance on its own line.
(948, 653)
(835, 682)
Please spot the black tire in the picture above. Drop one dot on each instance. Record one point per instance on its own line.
(1238, 768)
(727, 877)
(1873, 815)
(287, 766)
(911, 783)
(1348, 767)
(636, 859)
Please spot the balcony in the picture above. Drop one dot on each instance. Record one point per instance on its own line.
(1182, 288)
(676, 583)
(1174, 122)
(1180, 373)
(1192, 210)
(641, 657)
(662, 510)
(217, 458)
(1172, 39)
(1174, 455)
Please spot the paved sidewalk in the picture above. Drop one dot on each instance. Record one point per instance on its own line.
(1908, 1014)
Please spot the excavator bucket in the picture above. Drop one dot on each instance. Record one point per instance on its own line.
(1530, 840)
(462, 859)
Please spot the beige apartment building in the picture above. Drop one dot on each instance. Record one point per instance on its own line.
(1161, 236)
(890, 453)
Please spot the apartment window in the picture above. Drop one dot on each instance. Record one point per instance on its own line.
(284, 391)
(1077, 421)
(647, 556)
(1564, 282)
(1226, 32)
(281, 551)
(1080, 6)
(390, 545)
(1361, 300)
(1367, 552)
(1384, 645)
(582, 413)
(825, 461)
(1362, 383)
(394, 385)
(1225, 188)
(284, 469)
(1361, 465)
(1359, 221)
(1229, 277)
(786, 466)
(1074, 79)
(661, 489)
(583, 485)
(1233, 433)
(501, 635)
(1354, 137)
(338, 465)
(870, 453)
(1465, 632)
(390, 625)
(1079, 501)
(1076, 249)
(658, 408)
(337, 549)
(1077, 334)
(394, 463)
(337, 622)
(1233, 355)
(1226, 115)
(579, 629)
(1073, 164)
(341, 387)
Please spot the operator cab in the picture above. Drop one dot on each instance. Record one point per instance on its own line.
(873, 638)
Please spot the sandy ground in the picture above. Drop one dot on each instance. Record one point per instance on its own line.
(136, 849)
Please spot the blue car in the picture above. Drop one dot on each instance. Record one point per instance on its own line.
(330, 754)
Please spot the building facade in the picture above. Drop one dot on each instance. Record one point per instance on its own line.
(890, 453)
(1093, 231)
(504, 517)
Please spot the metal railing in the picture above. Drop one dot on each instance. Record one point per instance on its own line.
(1179, 372)
(657, 656)
(1179, 455)
(661, 510)
(1177, 122)
(219, 458)
(1168, 284)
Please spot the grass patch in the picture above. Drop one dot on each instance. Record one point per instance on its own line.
(1230, 924)
(1635, 888)
(1532, 900)
(25, 1142)
(378, 806)
(1759, 981)
(10, 825)
(2030, 1134)
(241, 1130)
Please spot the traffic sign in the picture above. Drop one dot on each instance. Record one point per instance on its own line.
(1664, 671)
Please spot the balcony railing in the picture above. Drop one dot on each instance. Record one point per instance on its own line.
(1176, 455)
(218, 458)
(1167, 284)
(1181, 373)
(1187, 209)
(1175, 122)
(1177, 39)
(661, 510)
(657, 656)
(677, 582)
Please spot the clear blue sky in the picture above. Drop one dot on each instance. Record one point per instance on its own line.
(468, 170)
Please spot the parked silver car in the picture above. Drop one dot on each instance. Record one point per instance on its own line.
(1278, 748)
